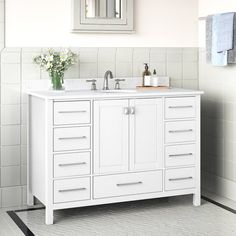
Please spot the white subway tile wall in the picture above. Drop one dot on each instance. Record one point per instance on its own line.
(2, 45)
(17, 68)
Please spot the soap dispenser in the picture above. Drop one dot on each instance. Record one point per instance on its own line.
(146, 76)
(154, 81)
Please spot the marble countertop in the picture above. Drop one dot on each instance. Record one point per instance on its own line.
(126, 93)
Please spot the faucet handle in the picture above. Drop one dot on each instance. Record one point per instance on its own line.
(93, 85)
(117, 85)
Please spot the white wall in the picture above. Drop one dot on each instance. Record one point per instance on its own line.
(218, 113)
(212, 7)
(2, 18)
(158, 23)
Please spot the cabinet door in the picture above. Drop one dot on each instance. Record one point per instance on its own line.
(111, 134)
(146, 132)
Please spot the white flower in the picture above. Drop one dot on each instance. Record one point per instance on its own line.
(56, 61)
(48, 65)
(49, 58)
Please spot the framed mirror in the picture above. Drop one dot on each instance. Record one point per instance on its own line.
(104, 16)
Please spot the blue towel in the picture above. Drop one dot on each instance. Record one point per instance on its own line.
(221, 58)
(225, 32)
(209, 38)
(232, 53)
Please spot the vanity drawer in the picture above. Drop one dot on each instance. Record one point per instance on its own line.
(69, 190)
(180, 131)
(180, 178)
(183, 107)
(67, 113)
(127, 184)
(71, 164)
(180, 155)
(73, 138)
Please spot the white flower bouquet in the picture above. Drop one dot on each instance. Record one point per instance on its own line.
(56, 63)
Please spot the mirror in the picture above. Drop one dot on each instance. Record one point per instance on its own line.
(103, 9)
(102, 16)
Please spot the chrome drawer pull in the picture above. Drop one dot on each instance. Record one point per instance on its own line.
(179, 179)
(180, 155)
(68, 112)
(176, 107)
(71, 190)
(73, 164)
(72, 138)
(181, 131)
(127, 184)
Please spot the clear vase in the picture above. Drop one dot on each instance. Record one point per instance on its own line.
(57, 81)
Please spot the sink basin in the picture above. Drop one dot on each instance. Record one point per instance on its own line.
(119, 91)
(98, 91)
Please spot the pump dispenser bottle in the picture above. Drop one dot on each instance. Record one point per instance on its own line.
(146, 76)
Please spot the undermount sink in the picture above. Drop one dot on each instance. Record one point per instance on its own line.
(119, 91)
(99, 91)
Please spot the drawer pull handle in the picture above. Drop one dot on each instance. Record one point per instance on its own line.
(72, 138)
(68, 112)
(127, 184)
(177, 107)
(71, 190)
(181, 131)
(73, 164)
(181, 155)
(179, 179)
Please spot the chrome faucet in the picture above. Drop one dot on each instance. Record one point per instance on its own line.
(105, 84)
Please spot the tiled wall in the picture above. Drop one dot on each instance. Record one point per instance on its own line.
(181, 64)
(218, 127)
(2, 39)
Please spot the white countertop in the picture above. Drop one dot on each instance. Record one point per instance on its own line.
(88, 94)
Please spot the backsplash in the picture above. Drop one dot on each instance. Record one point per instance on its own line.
(18, 71)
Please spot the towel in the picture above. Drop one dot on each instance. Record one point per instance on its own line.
(221, 58)
(208, 37)
(232, 53)
(225, 32)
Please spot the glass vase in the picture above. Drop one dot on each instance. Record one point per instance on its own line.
(57, 81)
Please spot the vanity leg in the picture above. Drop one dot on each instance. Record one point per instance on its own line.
(197, 199)
(49, 216)
(30, 198)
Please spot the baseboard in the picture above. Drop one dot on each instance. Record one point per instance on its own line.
(219, 186)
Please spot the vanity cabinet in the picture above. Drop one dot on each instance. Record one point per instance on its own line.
(96, 148)
(111, 136)
(127, 135)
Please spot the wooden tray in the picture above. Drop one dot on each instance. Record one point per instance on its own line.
(151, 87)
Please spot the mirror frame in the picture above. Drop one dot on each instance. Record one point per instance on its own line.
(81, 24)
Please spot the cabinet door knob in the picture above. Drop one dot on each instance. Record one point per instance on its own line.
(126, 111)
(132, 110)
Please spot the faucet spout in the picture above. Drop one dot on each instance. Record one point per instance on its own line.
(106, 76)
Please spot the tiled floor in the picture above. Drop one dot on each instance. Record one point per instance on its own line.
(7, 226)
(165, 217)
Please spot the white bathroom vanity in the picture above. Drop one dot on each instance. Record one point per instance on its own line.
(97, 147)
